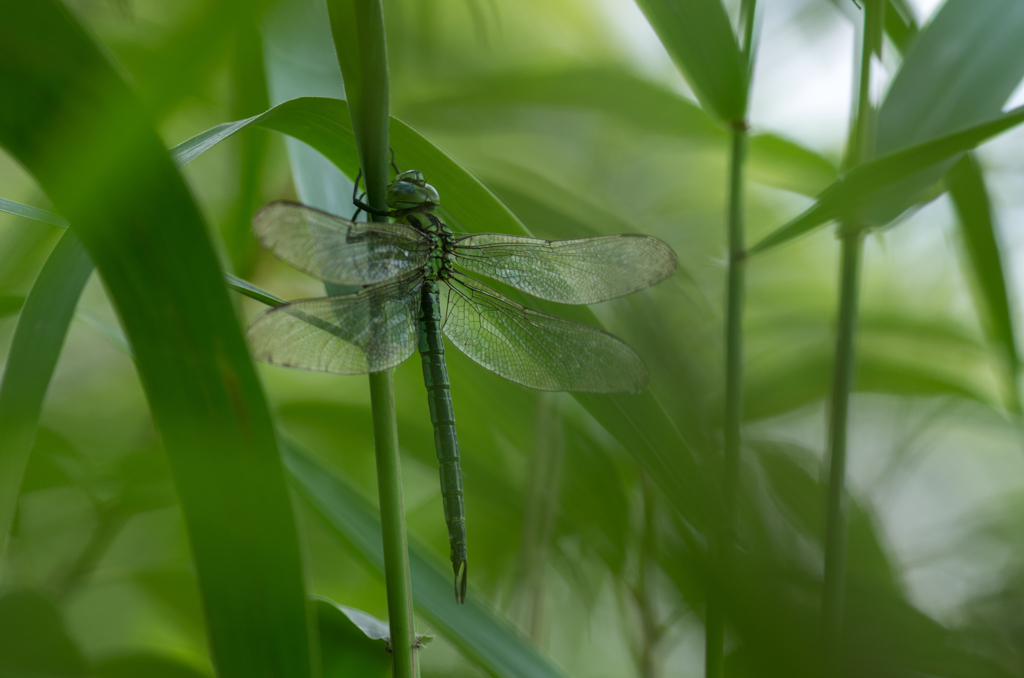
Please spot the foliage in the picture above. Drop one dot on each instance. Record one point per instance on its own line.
(175, 509)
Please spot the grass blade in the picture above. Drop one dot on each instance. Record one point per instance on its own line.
(29, 212)
(80, 131)
(38, 340)
(985, 262)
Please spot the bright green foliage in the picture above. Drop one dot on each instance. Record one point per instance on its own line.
(534, 118)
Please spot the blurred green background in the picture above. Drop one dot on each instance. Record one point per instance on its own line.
(572, 113)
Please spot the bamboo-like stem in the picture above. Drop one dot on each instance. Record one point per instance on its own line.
(714, 623)
(392, 519)
(852, 239)
(358, 30)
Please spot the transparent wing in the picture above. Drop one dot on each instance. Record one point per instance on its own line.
(336, 250)
(367, 331)
(536, 349)
(582, 271)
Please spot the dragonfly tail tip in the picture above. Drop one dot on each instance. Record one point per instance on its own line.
(460, 581)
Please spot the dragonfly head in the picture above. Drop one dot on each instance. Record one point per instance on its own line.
(409, 190)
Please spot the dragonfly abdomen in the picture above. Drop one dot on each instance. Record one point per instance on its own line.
(446, 442)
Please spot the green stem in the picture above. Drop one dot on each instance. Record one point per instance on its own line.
(392, 518)
(359, 41)
(714, 624)
(852, 239)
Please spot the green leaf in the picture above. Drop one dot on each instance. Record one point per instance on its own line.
(34, 640)
(352, 642)
(78, 129)
(10, 304)
(38, 340)
(959, 73)
(248, 289)
(985, 262)
(775, 161)
(862, 183)
(29, 212)
(699, 37)
(325, 125)
(484, 638)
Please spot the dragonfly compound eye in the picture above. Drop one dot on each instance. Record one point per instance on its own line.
(408, 194)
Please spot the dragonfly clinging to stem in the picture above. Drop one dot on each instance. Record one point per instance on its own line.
(416, 287)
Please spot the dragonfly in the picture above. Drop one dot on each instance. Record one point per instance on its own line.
(418, 286)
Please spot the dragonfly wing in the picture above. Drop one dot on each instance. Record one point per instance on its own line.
(336, 250)
(536, 349)
(367, 331)
(582, 271)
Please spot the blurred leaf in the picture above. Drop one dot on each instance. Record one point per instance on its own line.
(699, 37)
(778, 162)
(350, 644)
(478, 633)
(640, 424)
(10, 304)
(248, 289)
(79, 130)
(325, 125)
(985, 262)
(53, 462)
(644, 105)
(38, 339)
(33, 640)
(864, 182)
(142, 665)
(29, 212)
(959, 72)
(301, 61)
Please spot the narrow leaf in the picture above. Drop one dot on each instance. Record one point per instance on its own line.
(699, 37)
(38, 339)
(29, 212)
(74, 124)
(852, 191)
(985, 262)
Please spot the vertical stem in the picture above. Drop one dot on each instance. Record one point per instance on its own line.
(650, 628)
(392, 518)
(714, 624)
(357, 27)
(852, 240)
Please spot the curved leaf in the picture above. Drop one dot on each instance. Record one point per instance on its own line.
(75, 125)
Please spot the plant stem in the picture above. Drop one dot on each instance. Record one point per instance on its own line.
(646, 601)
(392, 519)
(714, 624)
(852, 239)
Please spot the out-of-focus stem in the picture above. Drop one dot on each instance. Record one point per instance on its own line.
(714, 623)
(852, 239)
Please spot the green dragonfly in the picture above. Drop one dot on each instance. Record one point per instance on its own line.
(416, 286)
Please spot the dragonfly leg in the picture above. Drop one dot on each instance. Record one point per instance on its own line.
(393, 165)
